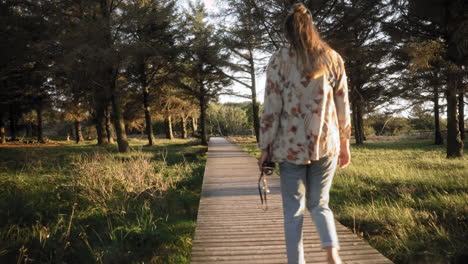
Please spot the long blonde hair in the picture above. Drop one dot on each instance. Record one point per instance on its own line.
(313, 52)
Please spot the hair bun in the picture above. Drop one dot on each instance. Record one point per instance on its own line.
(300, 8)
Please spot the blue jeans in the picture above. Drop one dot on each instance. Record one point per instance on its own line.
(307, 185)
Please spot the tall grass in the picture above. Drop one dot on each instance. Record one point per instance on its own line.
(102, 178)
(83, 204)
(405, 198)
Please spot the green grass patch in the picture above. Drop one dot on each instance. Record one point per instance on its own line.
(79, 203)
(404, 197)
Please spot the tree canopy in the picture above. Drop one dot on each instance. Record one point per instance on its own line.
(150, 66)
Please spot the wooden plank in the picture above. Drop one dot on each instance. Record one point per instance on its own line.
(232, 227)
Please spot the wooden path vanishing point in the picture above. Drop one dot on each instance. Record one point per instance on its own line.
(232, 227)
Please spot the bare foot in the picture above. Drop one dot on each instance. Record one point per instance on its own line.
(333, 256)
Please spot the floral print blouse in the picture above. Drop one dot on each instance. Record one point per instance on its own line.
(303, 118)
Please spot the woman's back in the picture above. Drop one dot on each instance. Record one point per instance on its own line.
(303, 115)
(306, 118)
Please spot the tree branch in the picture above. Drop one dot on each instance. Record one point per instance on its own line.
(234, 78)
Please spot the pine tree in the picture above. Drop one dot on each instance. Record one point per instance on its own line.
(355, 32)
(421, 81)
(245, 39)
(204, 58)
(151, 27)
(446, 21)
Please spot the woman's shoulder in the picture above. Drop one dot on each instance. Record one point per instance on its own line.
(336, 57)
(337, 61)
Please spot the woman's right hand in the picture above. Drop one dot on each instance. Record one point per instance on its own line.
(345, 154)
(263, 157)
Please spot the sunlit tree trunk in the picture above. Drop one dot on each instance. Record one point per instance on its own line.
(184, 127)
(194, 126)
(109, 132)
(78, 132)
(71, 131)
(169, 132)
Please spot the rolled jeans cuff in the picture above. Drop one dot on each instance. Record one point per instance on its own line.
(330, 244)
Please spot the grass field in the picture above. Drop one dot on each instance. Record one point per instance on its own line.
(88, 204)
(404, 197)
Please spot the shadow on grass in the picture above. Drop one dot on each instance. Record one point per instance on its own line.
(174, 153)
(49, 157)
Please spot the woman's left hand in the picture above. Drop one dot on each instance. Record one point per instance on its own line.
(263, 157)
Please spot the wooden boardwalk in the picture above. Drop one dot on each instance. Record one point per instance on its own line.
(232, 227)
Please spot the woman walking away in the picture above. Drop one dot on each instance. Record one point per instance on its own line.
(306, 127)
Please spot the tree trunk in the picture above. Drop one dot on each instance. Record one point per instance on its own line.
(33, 129)
(184, 127)
(361, 122)
(109, 133)
(454, 142)
(78, 132)
(202, 103)
(109, 73)
(149, 127)
(119, 123)
(256, 119)
(70, 132)
(29, 129)
(194, 126)
(40, 136)
(220, 132)
(169, 132)
(13, 120)
(357, 121)
(2, 129)
(439, 140)
(100, 127)
(146, 105)
(105, 71)
(461, 112)
(87, 134)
